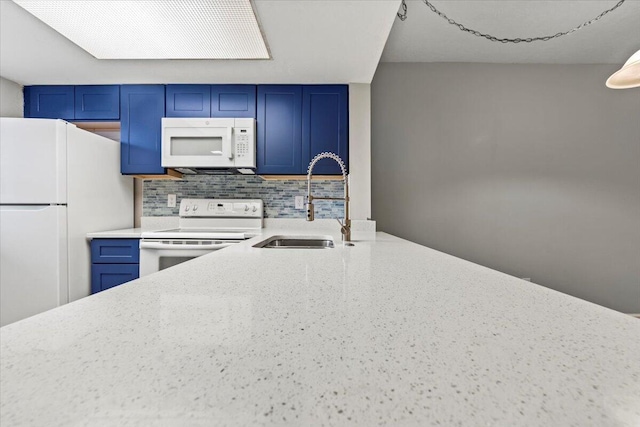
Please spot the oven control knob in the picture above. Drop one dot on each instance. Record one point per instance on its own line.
(195, 208)
(255, 208)
(246, 208)
(186, 208)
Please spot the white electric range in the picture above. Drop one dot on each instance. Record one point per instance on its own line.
(205, 225)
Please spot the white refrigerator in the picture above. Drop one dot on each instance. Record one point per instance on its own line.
(57, 183)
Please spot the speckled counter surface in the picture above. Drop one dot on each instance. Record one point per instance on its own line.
(125, 233)
(383, 333)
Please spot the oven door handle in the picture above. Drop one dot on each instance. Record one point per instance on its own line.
(156, 245)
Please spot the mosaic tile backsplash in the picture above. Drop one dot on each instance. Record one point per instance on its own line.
(278, 196)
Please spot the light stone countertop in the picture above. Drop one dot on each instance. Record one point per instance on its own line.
(166, 223)
(124, 233)
(386, 332)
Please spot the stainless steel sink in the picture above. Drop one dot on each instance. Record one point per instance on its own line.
(296, 242)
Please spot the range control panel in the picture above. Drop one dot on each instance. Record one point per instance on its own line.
(221, 208)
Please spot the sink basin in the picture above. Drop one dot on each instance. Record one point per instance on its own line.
(296, 242)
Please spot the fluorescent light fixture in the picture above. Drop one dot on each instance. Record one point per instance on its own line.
(628, 76)
(156, 29)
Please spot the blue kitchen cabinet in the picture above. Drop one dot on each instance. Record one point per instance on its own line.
(105, 276)
(188, 101)
(113, 262)
(279, 130)
(97, 102)
(115, 251)
(325, 126)
(91, 102)
(141, 112)
(233, 101)
(297, 122)
(49, 102)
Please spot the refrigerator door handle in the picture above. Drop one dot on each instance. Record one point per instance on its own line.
(30, 208)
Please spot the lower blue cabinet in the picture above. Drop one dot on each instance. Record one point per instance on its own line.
(113, 262)
(105, 276)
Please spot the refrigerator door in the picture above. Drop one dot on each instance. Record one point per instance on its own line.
(33, 161)
(33, 260)
(98, 198)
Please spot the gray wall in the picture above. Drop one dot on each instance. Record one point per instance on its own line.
(533, 170)
(11, 99)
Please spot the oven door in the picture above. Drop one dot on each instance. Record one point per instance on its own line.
(156, 255)
(205, 145)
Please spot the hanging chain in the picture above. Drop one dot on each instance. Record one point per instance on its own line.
(403, 16)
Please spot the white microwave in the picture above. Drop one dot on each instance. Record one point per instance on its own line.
(208, 143)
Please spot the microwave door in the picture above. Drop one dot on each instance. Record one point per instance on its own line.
(226, 152)
(197, 147)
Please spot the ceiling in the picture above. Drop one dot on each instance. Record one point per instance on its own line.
(340, 41)
(426, 37)
(311, 41)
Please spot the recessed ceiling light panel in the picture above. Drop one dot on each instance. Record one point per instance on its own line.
(156, 29)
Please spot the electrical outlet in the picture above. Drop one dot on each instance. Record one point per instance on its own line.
(299, 202)
(171, 201)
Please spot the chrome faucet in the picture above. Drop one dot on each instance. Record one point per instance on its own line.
(345, 226)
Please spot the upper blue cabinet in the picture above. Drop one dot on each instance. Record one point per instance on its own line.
(325, 126)
(99, 102)
(211, 101)
(188, 101)
(49, 102)
(142, 109)
(297, 122)
(279, 130)
(233, 101)
(294, 122)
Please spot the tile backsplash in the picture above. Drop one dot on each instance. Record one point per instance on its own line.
(278, 196)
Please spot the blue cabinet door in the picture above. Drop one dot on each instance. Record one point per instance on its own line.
(233, 101)
(115, 251)
(100, 102)
(325, 125)
(141, 112)
(49, 102)
(188, 101)
(279, 128)
(105, 276)
(114, 261)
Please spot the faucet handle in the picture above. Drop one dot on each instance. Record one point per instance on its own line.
(343, 227)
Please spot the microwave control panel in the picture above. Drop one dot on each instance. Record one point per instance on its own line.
(245, 143)
(242, 142)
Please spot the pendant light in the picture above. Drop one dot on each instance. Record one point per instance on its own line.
(628, 76)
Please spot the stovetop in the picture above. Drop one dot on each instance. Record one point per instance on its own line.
(230, 219)
(191, 233)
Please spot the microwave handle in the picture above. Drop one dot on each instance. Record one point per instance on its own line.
(226, 144)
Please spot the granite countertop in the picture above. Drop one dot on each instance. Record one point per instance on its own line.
(124, 233)
(384, 332)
